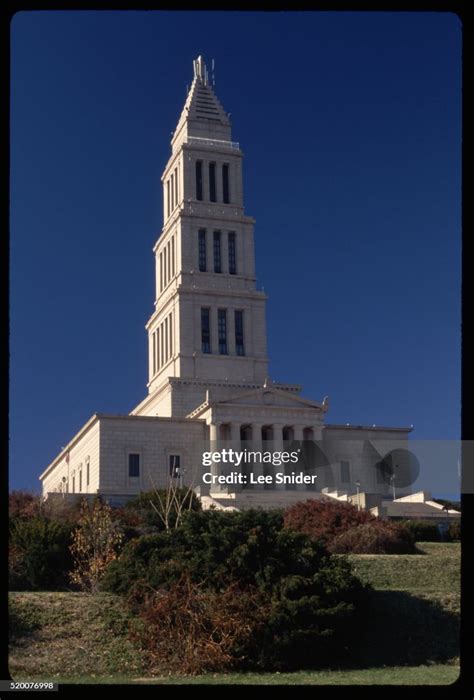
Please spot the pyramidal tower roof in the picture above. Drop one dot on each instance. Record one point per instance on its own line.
(203, 115)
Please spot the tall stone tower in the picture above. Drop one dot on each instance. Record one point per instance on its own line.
(209, 319)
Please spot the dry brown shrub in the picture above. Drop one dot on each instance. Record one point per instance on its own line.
(190, 630)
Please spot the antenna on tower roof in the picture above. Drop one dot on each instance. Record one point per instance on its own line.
(213, 77)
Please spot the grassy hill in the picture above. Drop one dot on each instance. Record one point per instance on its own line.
(410, 636)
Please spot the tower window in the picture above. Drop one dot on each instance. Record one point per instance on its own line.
(88, 473)
(168, 203)
(217, 251)
(239, 333)
(153, 337)
(205, 330)
(133, 465)
(232, 255)
(225, 183)
(345, 472)
(222, 330)
(80, 480)
(212, 182)
(202, 250)
(199, 180)
(175, 466)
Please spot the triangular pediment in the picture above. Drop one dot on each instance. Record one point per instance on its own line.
(269, 396)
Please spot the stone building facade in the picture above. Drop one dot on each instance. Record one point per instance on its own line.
(208, 383)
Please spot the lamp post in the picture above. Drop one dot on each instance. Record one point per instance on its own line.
(392, 479)
(357, 483)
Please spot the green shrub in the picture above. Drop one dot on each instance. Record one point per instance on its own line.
(40, 557)
(422, 530)
(313, 597)
(374, 538)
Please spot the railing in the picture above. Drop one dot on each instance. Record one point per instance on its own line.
(200, 141)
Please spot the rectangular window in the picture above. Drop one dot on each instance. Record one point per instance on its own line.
(206, 330)
(212, 182)
(222, 330)
(161, 271)
(232, 255)
(73, 484)
(80, 481)
(199, 180)
(173, 267)
(154, 353)
(345, 472)
(168, 202)
(165, 267)
(239, 333)
(225, 183)
(175, 466)
(166, 339)
(217, 251)
(88, 473)
(133, 465)
(202, 250)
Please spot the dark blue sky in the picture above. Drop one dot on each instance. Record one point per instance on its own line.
(351, 128)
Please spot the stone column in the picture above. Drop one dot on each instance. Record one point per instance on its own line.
(298, 436)
(278, 447)
(256, 446)
(224, 252)
(214, 446)
(235, 444)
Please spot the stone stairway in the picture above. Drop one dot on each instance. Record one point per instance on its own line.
(257, 499)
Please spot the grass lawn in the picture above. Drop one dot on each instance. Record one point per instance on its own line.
(436, 569)
(410, 636)
(436, 674)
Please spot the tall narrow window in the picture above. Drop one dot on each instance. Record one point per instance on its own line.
(222, 330)
(175, 466)
(239, 333)
(217, 251)
(225, 183)
(88, 473)
(168, 201)
(232, 255)
(176, 187)
(74, 484)
(154, 352)
(212, 182)
(158, 363)
(161, 271)
(165, 266)
(199, 180)
(80, 480)
(202, 250)
(173, 255)
(205, 330)
(133, 465)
